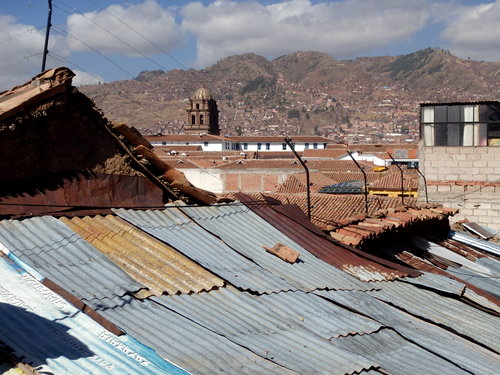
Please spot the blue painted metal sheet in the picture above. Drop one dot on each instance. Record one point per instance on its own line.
(55, 337)
(247, 233)
(289, 339)
(50, 247)
(190, 345)
(458, 350)
(180, 232)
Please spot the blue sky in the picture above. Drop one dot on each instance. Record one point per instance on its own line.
(106, 40)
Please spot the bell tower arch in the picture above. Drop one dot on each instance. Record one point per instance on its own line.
(202, 114)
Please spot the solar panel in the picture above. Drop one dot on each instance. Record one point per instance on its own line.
(346, 187)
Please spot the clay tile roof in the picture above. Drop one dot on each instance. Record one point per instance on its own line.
(263, 164)
(392, 181)
(296, 183)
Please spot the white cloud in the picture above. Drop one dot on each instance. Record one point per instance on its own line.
(475, 31)
(22, 51)
(345, 28)
(139, 27)
(84, 78)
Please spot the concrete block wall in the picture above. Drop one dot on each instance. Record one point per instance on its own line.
(467, 178)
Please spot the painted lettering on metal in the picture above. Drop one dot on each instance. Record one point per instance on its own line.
(44, 292)
(13, 300)
(82, 349)
(110, 339)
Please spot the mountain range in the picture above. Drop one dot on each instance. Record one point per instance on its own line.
(360, 100)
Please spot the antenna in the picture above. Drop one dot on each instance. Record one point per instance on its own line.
(47, 33)
(365, 191)
(402, 179)
(288, 142)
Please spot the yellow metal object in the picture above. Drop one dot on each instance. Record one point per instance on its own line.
(151, 262)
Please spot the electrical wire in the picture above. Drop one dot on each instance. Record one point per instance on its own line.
(65, 60)
(140, 34)
(68, 35)
(112, 34)
(29, 30)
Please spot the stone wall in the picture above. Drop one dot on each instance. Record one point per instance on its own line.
(467, 178)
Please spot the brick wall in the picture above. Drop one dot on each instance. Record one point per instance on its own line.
(467, 178)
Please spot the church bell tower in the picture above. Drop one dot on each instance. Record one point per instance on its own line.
(203, 115)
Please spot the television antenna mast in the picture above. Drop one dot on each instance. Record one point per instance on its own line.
(47, 33)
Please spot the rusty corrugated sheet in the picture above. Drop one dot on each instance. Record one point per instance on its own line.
(342, 258)
(157, 266)
(179, 231)
(80, 191)
(55, 251)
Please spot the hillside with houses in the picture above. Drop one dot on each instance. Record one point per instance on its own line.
(365, 100)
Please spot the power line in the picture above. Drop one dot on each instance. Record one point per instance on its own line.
(68, 35)
(29, 30)
(65, 60)
(140, 34)
(114, 35)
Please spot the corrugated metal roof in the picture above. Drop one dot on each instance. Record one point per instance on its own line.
(445, 311)
(195, 348)
(247, 233)
(454, 348)
(397, 355)
(53, 249)
(53, 336)
(487, 246)
(180, 232)
(147, 260)
(490, 284)
(365, 267)
(286, 339)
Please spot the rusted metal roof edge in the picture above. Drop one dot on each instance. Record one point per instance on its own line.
(293, 215)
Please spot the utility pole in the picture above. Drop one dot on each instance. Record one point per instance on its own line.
(288, 142)
(47, 33)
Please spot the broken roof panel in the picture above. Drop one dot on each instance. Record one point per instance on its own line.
(445, 311)
(53, 336)
(190, 345)
(157, 266)
(251, 321)
(247, 233)
(481, 230)
(454, 348)
(397, 355)
(177, 230)
(54, 250)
